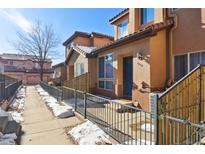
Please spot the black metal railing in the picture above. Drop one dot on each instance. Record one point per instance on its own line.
(8, 87)
(130, 125)
(126, 124)
(52, 90)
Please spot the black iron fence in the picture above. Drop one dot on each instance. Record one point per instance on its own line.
(8, 86)
(125, 123)
(130, 125)
(52, 90)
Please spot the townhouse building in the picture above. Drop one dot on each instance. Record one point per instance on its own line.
(152, 49)
(24, 68)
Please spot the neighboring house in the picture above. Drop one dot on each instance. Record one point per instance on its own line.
(23, 67)
(60, 71)
(153, 48)
(77, 50)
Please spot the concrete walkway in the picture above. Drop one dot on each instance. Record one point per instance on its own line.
(40, 126)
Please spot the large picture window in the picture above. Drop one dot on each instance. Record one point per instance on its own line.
(105, 72)
(147, 15)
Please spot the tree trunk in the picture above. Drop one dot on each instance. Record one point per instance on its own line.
(41, 72)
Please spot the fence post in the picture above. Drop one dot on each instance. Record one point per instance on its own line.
(75, 98)
(85, 105)
(154, 101)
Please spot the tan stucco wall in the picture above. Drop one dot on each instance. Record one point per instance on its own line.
(190, 31)
(92, 69)
(158, 60)
(99, 42)
(82, 41)
(74, 59)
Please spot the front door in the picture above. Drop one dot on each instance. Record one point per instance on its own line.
(127, 76)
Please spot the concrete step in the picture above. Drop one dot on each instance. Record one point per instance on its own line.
(3, 122)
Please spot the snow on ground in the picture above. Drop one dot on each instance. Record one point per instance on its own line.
(61, 111)
(15, 113)
(89, 134)
(7, 139)
(17, 106)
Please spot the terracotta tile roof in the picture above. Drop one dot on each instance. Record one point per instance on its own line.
(125, 11)
(85, 34)
(140, 34)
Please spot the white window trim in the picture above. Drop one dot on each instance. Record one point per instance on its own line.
(104, 79)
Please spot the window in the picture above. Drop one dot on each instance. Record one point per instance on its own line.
(147, 15)
(196, 59)
(122, 29)
(105, 73)
(187, 62)
(180, 66)
(79, 69)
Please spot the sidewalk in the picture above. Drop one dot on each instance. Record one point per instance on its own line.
(40, 126)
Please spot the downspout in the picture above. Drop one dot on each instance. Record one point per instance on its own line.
(170, 74)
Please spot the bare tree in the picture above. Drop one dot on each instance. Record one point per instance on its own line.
(39, 43)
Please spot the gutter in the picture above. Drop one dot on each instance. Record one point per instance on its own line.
(170, 76)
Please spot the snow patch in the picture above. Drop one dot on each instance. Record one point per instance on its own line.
(58, 110)
(89, 134)
(7, 139)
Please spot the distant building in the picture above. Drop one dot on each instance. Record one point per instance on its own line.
(60, 71)
(23, 67)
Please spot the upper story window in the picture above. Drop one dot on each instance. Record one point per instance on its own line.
(122, 29)
(147, 15)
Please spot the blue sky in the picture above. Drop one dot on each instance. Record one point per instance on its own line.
(64, 21)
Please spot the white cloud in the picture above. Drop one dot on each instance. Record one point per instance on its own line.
(17, 18)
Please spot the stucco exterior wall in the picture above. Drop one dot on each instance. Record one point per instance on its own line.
(158, 60)
(190, 31)
(82, 41)
(141, 71)
(99, 41)
(92, 69)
